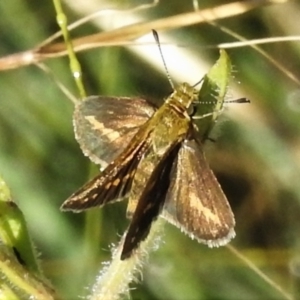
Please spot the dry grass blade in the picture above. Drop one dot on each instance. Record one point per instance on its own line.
(255, 269)
(128, 33)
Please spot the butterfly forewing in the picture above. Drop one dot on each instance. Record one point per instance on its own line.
(195, 201)
(151, 202)
(113, 183)
(104, 126)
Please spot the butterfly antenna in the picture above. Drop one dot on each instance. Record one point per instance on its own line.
(239, 100)
(155, 34)
(198, 82)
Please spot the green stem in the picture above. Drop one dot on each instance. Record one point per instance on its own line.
(75, 67)
(113, 281)
(19, 277)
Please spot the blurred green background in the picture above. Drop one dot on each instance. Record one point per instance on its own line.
(256, 156)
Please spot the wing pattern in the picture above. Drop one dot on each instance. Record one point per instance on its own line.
(104, 126)
(195, 201)
(113, 183)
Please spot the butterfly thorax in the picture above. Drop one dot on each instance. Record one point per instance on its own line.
(166, 128)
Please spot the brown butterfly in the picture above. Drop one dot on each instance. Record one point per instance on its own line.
(154, 157)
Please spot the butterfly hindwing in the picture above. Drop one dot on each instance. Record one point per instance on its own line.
(104, 126)
(195, 201)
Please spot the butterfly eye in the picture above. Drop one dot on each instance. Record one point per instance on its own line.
(192, 109)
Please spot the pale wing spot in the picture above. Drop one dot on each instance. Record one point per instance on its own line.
(116, 182)
(108, 186)
(196, 204)
(108, 132)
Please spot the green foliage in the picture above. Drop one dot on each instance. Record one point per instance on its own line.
(212, 94)
(256, 157)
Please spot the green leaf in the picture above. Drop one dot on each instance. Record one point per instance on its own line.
(13, 230)
(212, 94)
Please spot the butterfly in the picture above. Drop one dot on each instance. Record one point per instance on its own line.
(153, 156)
